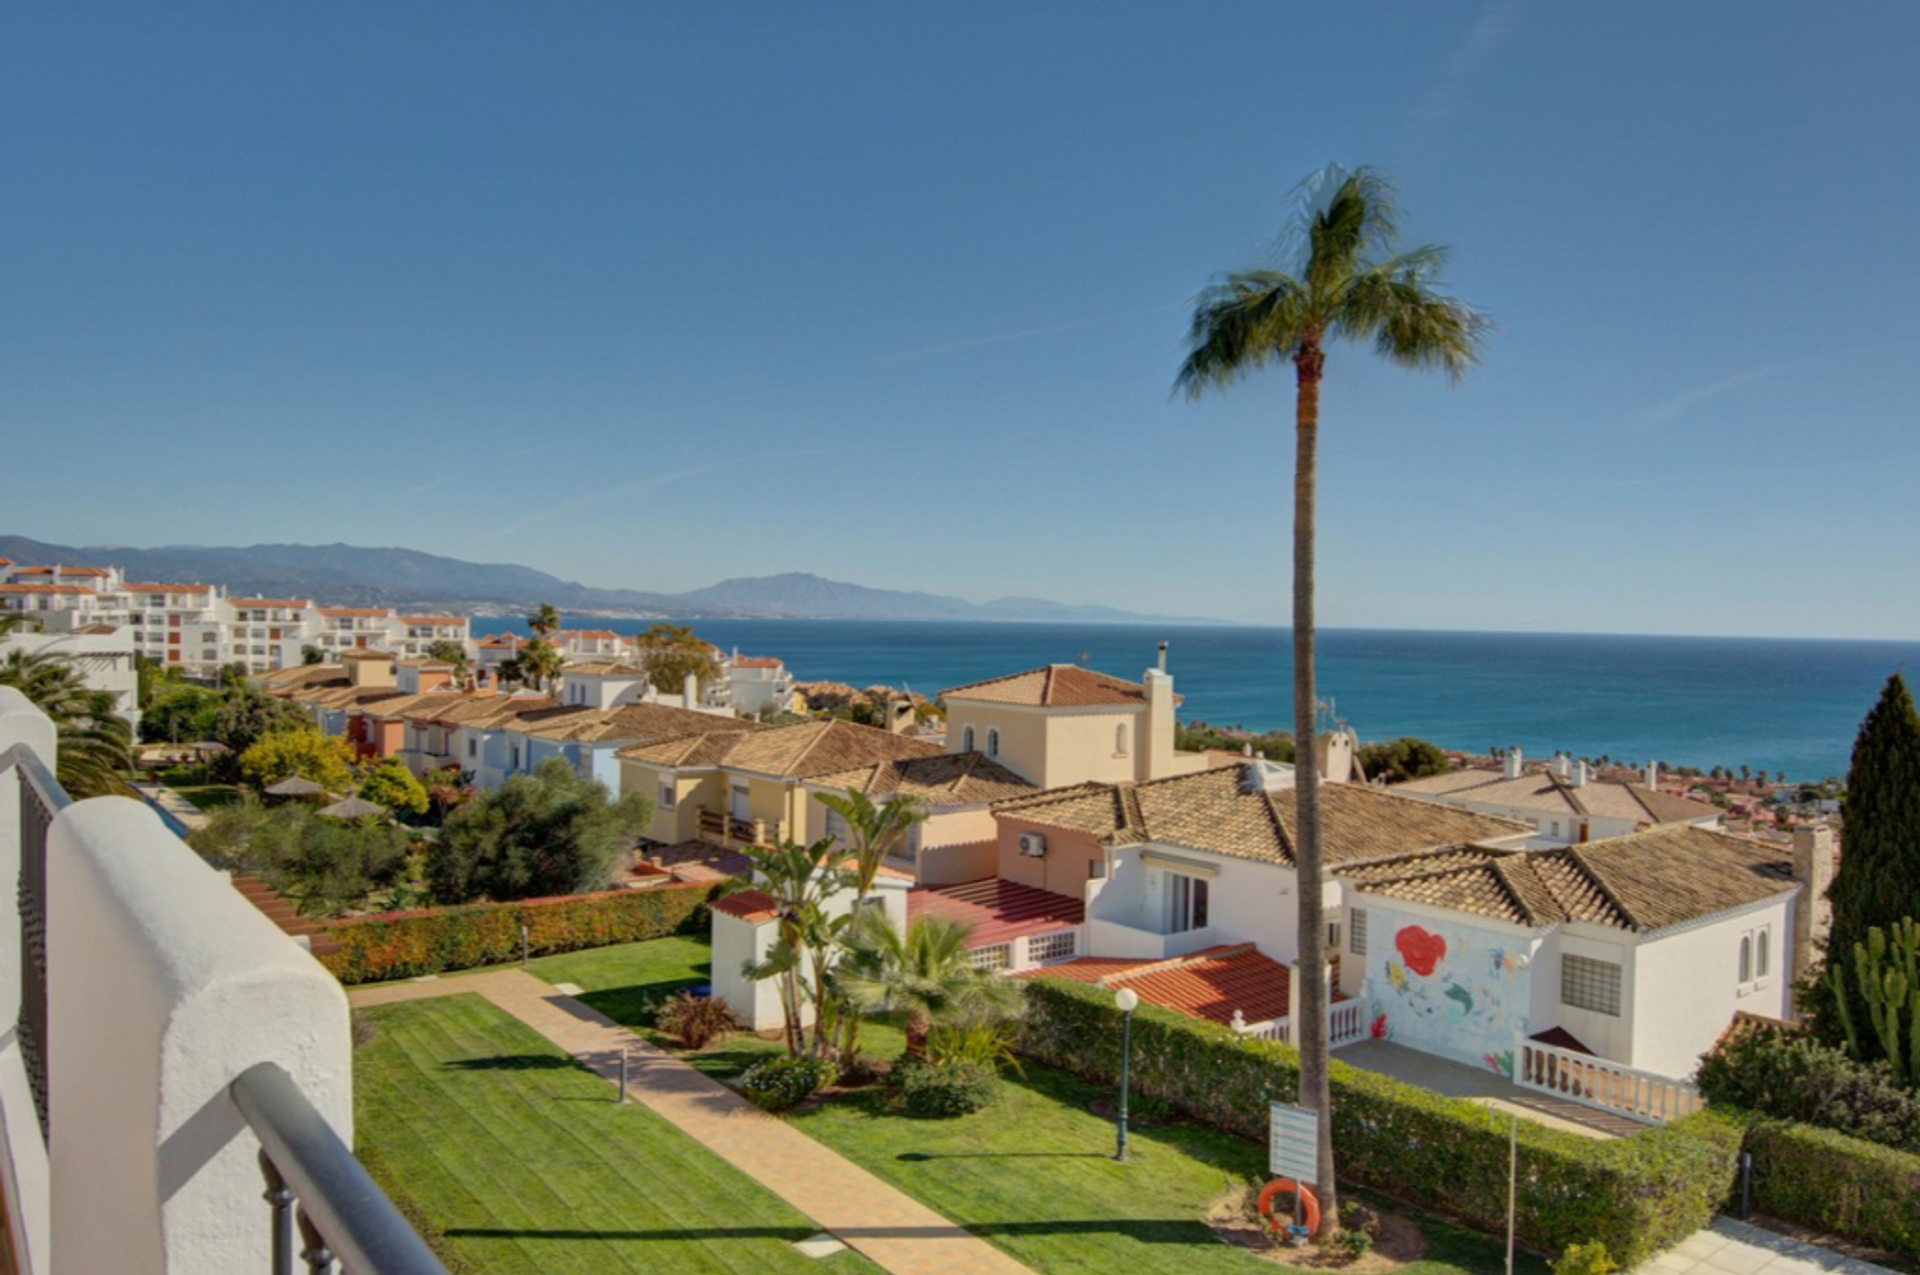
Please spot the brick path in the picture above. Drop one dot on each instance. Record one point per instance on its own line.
(892, 1229)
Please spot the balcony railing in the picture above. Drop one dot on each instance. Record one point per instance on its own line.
(1597, 1082)
(199, 1048)
(720, 827)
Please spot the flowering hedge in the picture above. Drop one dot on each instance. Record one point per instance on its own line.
(1638, 1195)
(433, 940)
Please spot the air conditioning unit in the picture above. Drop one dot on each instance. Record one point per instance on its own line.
(1033, 845)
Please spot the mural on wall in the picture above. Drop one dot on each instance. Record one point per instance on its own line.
(1451, 989)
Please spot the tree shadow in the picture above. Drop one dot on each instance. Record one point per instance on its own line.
(1169, 1230)
(512, 1062)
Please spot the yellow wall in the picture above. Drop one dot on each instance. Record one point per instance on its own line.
(1052, 748)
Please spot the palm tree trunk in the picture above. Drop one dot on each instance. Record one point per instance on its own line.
(918, 1028)
(1315, 1092)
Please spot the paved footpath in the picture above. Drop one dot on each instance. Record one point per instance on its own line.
(892, 1229)
(1732, 1247)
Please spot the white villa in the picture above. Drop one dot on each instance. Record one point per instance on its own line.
(1566, 804)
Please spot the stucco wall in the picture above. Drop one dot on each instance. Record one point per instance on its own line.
(1064, 868)
(1689, 988)
(1445, 985)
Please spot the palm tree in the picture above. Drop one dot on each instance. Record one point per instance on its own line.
(94, 746)
(926, 972)
(800, 879)
(545, 621)
(874, 828)
(1347, 282)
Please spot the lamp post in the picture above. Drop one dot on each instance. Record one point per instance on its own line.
(1126, 1000)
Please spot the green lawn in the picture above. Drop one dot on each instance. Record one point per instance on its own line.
(627, 982)
(1034, 1174)
(205, 796)
(523, 1164)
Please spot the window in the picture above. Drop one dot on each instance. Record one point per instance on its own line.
(966, 740)
(993, 741)
(1186, 903)
(1746, 958)
(1760, 952)
(1756, 958)
(473, 747)
(836, 826)
(1120, 740)
(1589, 984)
(1333, 938)
(1097, 869)
(1357, 931)
(666, 796)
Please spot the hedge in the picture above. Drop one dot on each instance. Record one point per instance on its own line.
(1637, 1195)
(1837, 1184)
(433, 940)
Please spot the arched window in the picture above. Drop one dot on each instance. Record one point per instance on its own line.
(1746, 958)
(993, 741)
(1760, 956)
(966, 740)
(1120, 739)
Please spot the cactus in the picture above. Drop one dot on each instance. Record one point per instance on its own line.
(1888, 971)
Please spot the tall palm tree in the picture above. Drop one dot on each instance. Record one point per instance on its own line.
(1346, 282)
(94, 745)
(874, 828)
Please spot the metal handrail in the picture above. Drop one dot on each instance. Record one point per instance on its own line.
(41, 801)
(343, 1208)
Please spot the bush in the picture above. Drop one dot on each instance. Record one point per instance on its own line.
(778, 1083)
(1636, 1195)
(1586, 1259)
(1833, 1183)
(551, 832)
(1791, 1076)
(957, 1087)
(697, 1021)
(408, 944)
(1355, 1244)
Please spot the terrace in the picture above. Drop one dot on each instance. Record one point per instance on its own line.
(195, 1060)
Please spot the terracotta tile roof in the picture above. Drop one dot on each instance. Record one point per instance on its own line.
(699, 861)
(1055, 686)
(366, 654)
(950, 779)
(100, 572)
(587, 635)
(1551, 794)
(65, 589)
(998, 910)
(639, 725)
(1227, 811)
(757, 661)
(246, 603)
(602, 670)
(363, 613)
(1642, 882)
(164, 588)
(1210, 984)
(692, 751)
(440, 621)
(501, 641)
(35, 571)
(748, 905)
(800, 751)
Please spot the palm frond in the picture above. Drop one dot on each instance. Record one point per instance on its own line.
(1240, 325)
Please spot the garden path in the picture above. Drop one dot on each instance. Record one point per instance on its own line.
(890, 1228)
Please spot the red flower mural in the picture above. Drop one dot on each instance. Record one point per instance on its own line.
(1420, 950)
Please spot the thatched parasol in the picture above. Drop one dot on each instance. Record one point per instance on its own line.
(353, 808)
(296, 786)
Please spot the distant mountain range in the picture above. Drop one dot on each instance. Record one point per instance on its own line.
(347, 575)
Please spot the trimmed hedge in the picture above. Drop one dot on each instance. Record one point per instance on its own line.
(1831, 1182)
(1637, 1195)
(433, 940)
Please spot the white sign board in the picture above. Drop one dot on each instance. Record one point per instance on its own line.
(1293, 1142)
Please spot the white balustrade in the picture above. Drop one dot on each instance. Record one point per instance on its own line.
(1596, 1082)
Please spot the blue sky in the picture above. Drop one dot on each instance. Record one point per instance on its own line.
(651, 295)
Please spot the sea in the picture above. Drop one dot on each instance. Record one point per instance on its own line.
(1773, 704)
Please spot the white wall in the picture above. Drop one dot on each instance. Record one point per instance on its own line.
(1247, 901)
(1688, 988)
(1447, 983)
(165, 985)
(1606, 1035)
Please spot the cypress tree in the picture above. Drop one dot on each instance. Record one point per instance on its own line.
(1878, 881)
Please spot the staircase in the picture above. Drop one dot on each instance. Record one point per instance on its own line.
(282, 914)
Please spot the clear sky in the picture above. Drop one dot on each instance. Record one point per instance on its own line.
(650, 295)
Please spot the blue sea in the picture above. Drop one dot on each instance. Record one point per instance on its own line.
(1773, 704)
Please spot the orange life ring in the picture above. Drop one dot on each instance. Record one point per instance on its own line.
(1309, 1207)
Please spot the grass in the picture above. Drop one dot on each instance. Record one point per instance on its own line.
(1034, 1174)
(520, 1163)
(627, 983)
(204, 796)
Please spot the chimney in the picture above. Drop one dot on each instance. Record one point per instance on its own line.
(1515, 764)
(1335, 752)
(1812, 914)
(1652, 776)
(1153, 751)
(1163, 657)
(1579, 779)
(690, 691)
(1562, 764)
(900, 716)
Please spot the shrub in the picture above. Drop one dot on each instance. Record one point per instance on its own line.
(697, 1021)
(1837, 1184)
(1586, 1259)
(551, 832)
(1356, 1244)
(980, 1039)
(1791, 1076)
(942, 1089)
(1355, 1216)
(1637, 1195)
(408, 944)
(778, 1083)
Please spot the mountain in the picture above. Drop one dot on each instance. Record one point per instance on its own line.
(349, 575)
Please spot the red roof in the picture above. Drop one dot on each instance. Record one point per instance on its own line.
(998, 910)
(757, 661)
(365, 613)
(1211, 984)
(44, 588)
(748, 905)
(168, 588)
(432, 619)
(269, 602)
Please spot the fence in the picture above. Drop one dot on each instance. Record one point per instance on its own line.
(1595, 1082)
